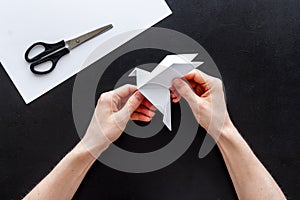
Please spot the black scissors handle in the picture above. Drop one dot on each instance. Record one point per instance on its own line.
(53, 58)
(49, 48)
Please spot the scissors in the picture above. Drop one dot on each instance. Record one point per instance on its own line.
(53, 52)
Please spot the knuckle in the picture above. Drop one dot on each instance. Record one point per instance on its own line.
(196, 71)
(218, 81)
(218, 84)
(131, 102)
(104, 97)
(128, 85)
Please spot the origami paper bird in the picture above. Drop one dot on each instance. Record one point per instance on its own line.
(155, 85)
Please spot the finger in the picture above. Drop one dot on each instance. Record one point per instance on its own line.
(172, 88)
(176, 100)
(192, 84)
(175, 96)
(198, 76)
(185, 91)
(142, 109)
(131, 105)
(140, 117)
(125, 90)
(148, 104)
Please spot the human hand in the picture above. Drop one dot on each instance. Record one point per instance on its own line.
(113, 111)
(205, 96)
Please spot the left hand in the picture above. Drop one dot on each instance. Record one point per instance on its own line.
(113, 111)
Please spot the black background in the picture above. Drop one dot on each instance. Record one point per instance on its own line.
(255, 44)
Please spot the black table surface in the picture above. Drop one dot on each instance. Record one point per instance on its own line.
(255, 44)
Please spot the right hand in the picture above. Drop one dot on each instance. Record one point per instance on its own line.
(205, 96)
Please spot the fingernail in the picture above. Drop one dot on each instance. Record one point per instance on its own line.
(176, 82)
(151, 114)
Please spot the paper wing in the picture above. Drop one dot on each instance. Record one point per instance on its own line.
(174, 71)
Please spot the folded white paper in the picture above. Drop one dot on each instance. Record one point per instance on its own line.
(26, 22)
(155, 85)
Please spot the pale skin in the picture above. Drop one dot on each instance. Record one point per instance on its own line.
(250, 178)
(114, 109)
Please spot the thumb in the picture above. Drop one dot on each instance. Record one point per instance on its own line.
(186, 92)
(131, 105)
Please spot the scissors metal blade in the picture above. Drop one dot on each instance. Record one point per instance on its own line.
(83, 38)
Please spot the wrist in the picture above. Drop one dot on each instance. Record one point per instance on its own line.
(228, 133)
(95, 142)
(94, 146)
(81, 153)
(230, 140)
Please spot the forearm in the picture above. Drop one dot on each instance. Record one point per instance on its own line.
(65, 178)
(63, 181)
(250, 178)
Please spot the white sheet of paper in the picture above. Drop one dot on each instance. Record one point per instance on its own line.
(155, 85)
(25, 22)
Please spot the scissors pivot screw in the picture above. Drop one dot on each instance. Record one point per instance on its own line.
(77, 41)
